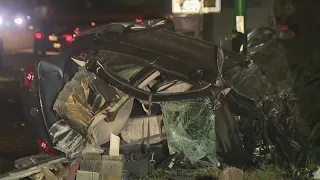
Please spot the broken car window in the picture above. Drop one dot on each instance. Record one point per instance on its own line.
(123, 65)
(190, 128)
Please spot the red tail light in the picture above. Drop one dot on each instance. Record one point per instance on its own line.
(45, 147)
(38, 35)
(138, 20)
(28, 78)
(69, 38)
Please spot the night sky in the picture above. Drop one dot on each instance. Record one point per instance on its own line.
(105, 6)
(88, 6)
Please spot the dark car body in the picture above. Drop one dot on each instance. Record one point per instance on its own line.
(37, 110)
(1, 51)
(54, 36)
(151, 45)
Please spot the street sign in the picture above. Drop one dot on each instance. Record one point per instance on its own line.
(196, 6)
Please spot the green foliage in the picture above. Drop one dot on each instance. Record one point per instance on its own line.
(288, 76)
(265, 173)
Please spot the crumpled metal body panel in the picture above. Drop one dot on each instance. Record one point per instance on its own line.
(157, 49)
(70, 142)
(71, 102)
(186, 49)
(192, 54)
(165, 51)
(183, 67)
(92, 108)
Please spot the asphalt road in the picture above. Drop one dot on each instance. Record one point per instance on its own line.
(17, 39)
(15, 138)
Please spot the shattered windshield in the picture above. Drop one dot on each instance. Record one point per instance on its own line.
(190, 127)
(123, 65)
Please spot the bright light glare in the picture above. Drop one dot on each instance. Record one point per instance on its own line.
(18, 21)
(1, 20)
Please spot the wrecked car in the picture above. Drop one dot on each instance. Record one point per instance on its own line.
(154, 87)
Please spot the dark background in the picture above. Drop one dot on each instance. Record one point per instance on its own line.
(303, 56)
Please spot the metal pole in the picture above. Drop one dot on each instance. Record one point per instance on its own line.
(207, 27)
(199, 23)
(239, 28)
(198, 26)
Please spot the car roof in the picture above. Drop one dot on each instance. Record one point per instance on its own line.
(115, 26)
(162, 49)
(103, 27)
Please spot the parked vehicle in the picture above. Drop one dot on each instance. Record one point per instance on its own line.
(112, 78)
(53, 37)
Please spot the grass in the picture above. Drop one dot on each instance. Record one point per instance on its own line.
(264, 173)
(203, 169)
(185, 174)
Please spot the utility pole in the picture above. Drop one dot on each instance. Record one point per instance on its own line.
(208, 27)
(207, 22)
(199, 22)
(239, 34)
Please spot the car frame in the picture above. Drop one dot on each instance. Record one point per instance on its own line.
(38, 119)
(50, 75)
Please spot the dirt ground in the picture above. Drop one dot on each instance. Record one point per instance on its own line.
(15, 138)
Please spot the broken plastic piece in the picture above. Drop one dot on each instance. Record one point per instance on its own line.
(316, 174)
(93, 108)
(114, 149)
(133, 130)
(72, 104)
(70, 142)
(275, 104)
(259, 38)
